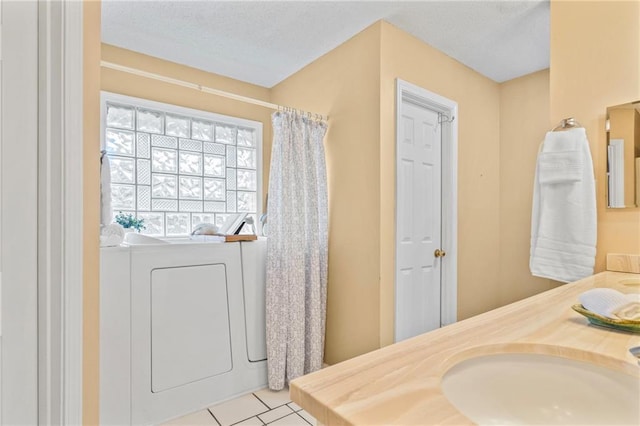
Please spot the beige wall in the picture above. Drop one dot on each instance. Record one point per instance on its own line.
(595, 63)
(91, 213)
(405, 57)
(355, 85)
(131, 85)
(524, 119)
(500, 128)
(344, 84)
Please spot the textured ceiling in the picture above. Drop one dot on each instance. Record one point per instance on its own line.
(264, 42)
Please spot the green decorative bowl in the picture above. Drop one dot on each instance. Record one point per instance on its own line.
(617, 324)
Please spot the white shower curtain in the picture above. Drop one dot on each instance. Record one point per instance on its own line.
(297, 249)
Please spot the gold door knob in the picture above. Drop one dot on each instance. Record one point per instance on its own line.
(439, 253)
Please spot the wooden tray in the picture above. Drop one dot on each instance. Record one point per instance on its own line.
(241, 237)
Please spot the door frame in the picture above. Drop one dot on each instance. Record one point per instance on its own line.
(406, 91)
(42, 241)
(66, 31)
(60, 208)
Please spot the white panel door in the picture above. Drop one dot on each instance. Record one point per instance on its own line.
(418, 221)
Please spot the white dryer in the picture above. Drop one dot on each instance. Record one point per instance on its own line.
(195, 330)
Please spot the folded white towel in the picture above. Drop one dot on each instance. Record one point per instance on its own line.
(612, 304)
(106, 213)
(630, 311)
(111, 235)
(563, 220)
(559, 167)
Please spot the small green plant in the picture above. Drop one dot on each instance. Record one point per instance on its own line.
(130, 221)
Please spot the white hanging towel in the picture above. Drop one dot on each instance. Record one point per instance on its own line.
(563, 220)
(106, 213)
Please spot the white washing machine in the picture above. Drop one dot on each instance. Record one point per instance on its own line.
(183, 328)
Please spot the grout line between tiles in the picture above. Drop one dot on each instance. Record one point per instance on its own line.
(214, 417)
(275, 420)
(267, 410)
(297, 413)
(294, 410)
(248, 418)
(277, 406)
(263, 403)
(255, 415)
(244, 420)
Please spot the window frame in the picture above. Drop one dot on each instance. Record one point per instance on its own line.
(191, 113)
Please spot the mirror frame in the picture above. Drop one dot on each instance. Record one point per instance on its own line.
(622, 128)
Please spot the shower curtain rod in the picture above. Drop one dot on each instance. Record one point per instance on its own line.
(206, 89)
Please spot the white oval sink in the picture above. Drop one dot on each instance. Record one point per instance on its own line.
(509, 389)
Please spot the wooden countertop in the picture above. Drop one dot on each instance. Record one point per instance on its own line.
(400, 384)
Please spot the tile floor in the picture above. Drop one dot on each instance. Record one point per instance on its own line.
(263, 407)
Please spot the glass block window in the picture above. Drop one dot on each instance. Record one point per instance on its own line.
(176, 167)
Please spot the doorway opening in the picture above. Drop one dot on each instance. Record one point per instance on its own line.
(426, 211)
